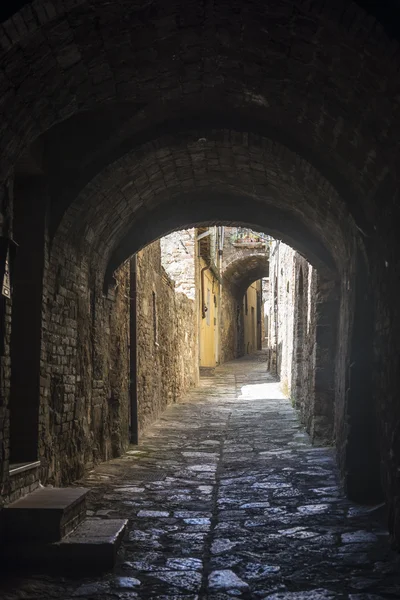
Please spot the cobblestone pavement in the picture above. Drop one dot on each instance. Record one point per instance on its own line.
(227, 498)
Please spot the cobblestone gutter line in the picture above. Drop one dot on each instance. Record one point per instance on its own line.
(214, 516)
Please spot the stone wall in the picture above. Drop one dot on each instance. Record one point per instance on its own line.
(250, 304)
(303, 320)
(178, 260)
(85, 416)
(118, 365)
(309, 167)
(167, 339)
(242, 264)
(229, 326)
(385, 379)
(84, 379)
(310, 323)
(21, 483)
(281, 316)
(82, 401)
(5, 375)
(5, 340)
(292, 306)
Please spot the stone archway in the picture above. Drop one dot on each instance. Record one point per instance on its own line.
(119, 212)
(145, 126)
(239, 273)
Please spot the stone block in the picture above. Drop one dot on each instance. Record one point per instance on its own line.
(47, 514)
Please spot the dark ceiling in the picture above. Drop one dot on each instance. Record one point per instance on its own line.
(386, 12)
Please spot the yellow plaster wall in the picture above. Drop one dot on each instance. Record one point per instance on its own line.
(209, 325)
(250, 319)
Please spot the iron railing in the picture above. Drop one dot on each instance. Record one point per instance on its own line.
(245, 236)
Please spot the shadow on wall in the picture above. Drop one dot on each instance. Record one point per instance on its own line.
(274, 360)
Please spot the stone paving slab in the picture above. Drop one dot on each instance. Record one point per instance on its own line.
(227, 498)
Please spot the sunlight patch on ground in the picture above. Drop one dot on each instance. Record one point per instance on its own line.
(267, 391)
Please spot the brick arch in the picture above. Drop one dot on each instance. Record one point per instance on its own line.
(212, 208)
(239, 274)
(215, 177)
(26, 17)
(261, 59)
(138, 126)
(201, 175)
(323, 77)
(206, 177)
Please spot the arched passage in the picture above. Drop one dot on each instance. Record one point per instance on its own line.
(239, 273)
(306, 162)
(229, 177)
(186, 181)
(200, 178)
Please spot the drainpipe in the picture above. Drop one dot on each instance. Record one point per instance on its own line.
(203, 306)
(200, 237)
(134, 435)
(222, 240)
(221, 235)
(277, 308)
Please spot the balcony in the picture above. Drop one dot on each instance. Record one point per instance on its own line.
(250, 240)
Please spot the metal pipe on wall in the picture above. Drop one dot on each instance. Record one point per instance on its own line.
(203, 306)
(133, 425)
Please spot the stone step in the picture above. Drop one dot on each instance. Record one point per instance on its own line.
(92, 546)
(45, 515)
(94, 543)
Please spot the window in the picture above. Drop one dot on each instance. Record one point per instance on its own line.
(246, 308)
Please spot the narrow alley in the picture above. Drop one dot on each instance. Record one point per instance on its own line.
(226, 497)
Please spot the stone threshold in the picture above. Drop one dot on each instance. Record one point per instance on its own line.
(16, 468)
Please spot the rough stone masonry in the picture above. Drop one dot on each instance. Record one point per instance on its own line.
(123, 122)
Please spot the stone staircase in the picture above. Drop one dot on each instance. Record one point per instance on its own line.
(49, 528)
